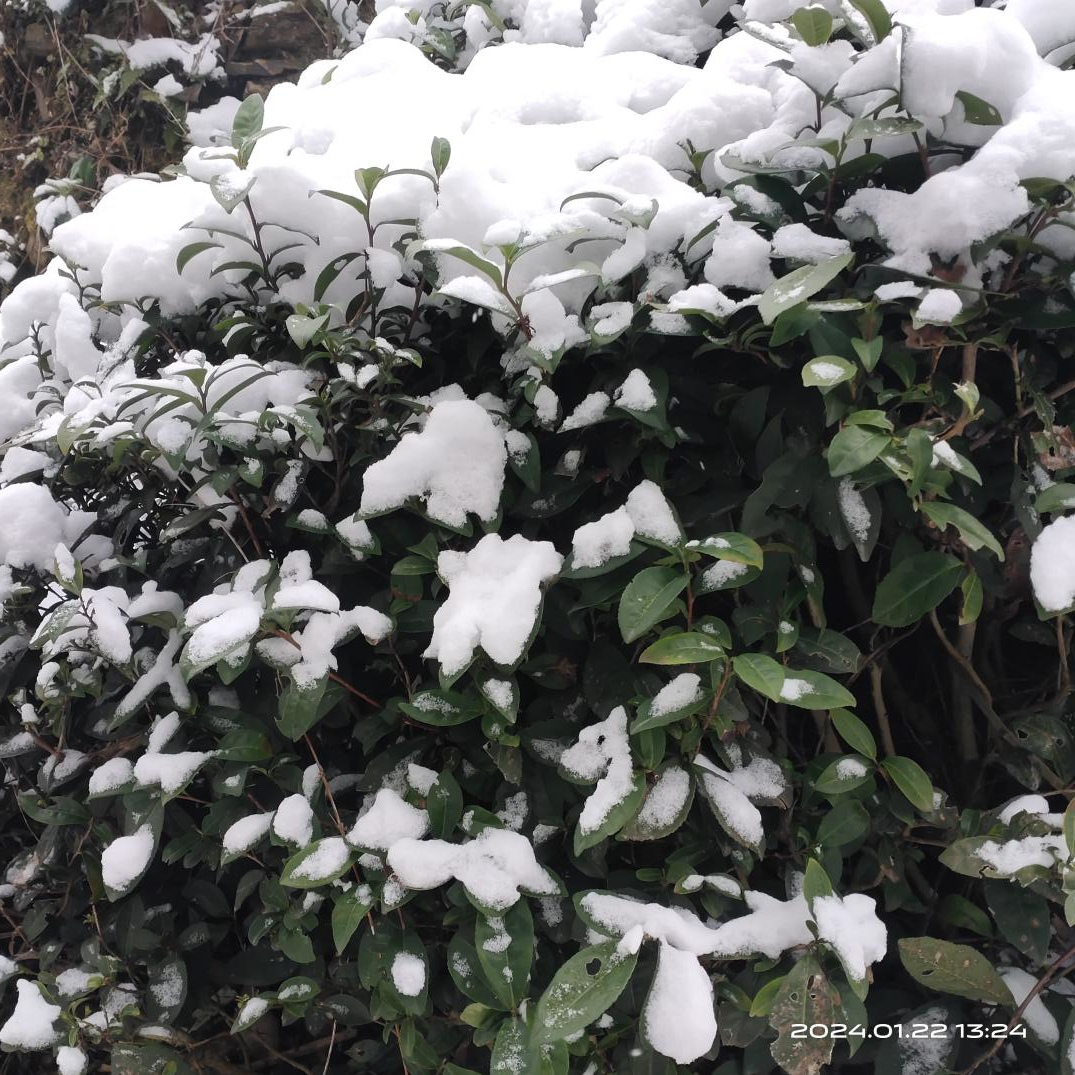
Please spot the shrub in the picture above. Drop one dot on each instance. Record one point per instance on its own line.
(573, 594)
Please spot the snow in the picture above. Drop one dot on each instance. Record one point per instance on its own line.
(850, 927)
(420, 778)
(598, 542)
(939, 306)
(494, 867)
(636, 393)
(499, 692)
(408, 974)
(127, 857)
(799, 243)
(602, 753)
(1014, 855)
(243, 834)
(850, 768)
(678, 1019)
(722, 572)
(455, 464)
(293, 821)
(665, 799)
(493, 602)
(31, 1025)
(679, 692)
(328, 858)
(732, 793)
(34, 524)
(387, 820)
(590, 411)
(75, 980)
(252, 1010)
(169, 772)
(1052, 565)
(1036, 1015)
(853, 510)
(71, 1060)
(1024, 804)
(651, 514)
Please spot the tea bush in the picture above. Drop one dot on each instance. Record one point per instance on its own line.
(561, 566)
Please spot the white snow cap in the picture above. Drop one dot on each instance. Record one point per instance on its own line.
(455, 464)
(1052, 565)
(493, 601)
(126, 858)
(387, 820)
(494, 867)
(32, 1024)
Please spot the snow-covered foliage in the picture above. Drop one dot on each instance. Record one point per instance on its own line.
(450, 522)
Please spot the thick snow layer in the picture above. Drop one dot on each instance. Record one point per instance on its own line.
(126, 858)
(34, 524)
(1052, 565)
(246, 832)
(495, 867)
(493, 601)
(32, 1024)
(408, 974)
(455, 464)
(293, 821)
(678, 1019)
(388, 820)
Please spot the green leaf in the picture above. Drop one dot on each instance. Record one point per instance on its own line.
(975, 535)
(854, 733)
(191, 251)
(916, 586)
(618, 816)
(953, 968)
(816, 883)
(467, 973)
(814, 25)
(444, 804)
(799, 285)
(440, 709)
(347, 914)
(977, 111)
(827, 372)
(319, 864)
(853, 448)
(805, 997)
(813, 690)
(845, 823)
(505, 947)
(249, 119)
(843, 775)
(515, 1051)
(912, 780)
(582, 989)
(668, 777)
(646, 718)
(1022, 917)
(440, 152)
(761, 673)
(973, 596)
(1056, 499)
(687, 647)
(646, 600)
(876, 14)
(463, 253)
(301, 708)
(738, 548)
